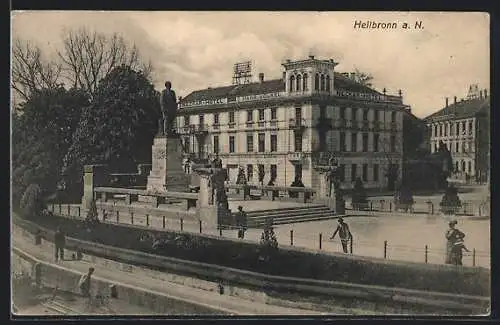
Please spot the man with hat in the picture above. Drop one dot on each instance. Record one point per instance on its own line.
(241, 222)
(344, 233)
(168, 104)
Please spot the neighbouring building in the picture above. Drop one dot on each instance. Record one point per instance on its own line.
(464, 126)
(282, 128)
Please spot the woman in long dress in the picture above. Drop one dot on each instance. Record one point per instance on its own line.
(451, 234)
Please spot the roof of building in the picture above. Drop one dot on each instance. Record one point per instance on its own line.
(268, 86)
(462, 109)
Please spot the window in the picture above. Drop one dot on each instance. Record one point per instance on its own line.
(365, 115)
(342, 142)
(393, 143)
(377, 115)
(463, 148)
(342, 172)
(216, 144)
(262, 142)
(250, 172)
(249, 143)
(298, 114)
(463, 165)
(299, 82)
(261, 114)
(365, 172)
(471, 146)
(327, 83)
(216, 118)
(365, 142)
(274, 172)
(231, 117)
(451, 129)
(304, 82)
(249, 116)
(274, 142)
(316, 82)
(463, 128)
(261, 172)
(435, 130)
(292, 83)
(457, 149)
(342, 113)
(273, 113)
(231, 143)
(354, 142)
(457, 128)
(393, 117)
(322, 112)
(298, 142)
(470, 128)
(353, 114)
(446, 130)
(440, 130)
(376, 140)
(375, 172)
(353, 172)
(186, 120)
(202, 120)
(187, 145)
(456, 166)
(322, 82)
(469, 167)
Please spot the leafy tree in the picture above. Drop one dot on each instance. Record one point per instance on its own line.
(359, 195)
(32, 202)
(117, 129)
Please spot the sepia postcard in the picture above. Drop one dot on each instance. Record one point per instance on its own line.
(176, 163)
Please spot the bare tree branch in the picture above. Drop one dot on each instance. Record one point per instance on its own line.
(30, 72)
(89, 56)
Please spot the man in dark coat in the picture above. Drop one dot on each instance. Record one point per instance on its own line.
(60, 243)
(168, 104)
(241, 222)
(344, 234)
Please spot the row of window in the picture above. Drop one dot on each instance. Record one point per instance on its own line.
(298, 115)
(466, 146)
(463, 164)
(261, 143)
(457, 128)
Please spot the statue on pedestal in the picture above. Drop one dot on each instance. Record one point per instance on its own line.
(331, 176)
(168, 103)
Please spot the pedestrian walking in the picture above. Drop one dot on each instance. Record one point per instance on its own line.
(241, 222)
(59, 243)
(344, 234)
(85, 283)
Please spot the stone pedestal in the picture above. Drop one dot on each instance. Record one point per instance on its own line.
(323, 194)
(93, 176)
(209, 210)
(167, 173)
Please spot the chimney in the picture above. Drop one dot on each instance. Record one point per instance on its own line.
(454, 99)
(261, 77)
(485, 93)
(446, 102)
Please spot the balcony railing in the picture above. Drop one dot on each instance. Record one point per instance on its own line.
(249, 124)
(261, 124)
(273, 123)
(297, 123)
(231, 125)
(296, 156)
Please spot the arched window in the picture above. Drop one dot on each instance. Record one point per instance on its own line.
(292, 83)
(304, 82)
(463, 165)
(435, 130)
(316, 82)
(322, 82)
(327, 83)
(456, 166)
(469, 167)
(446, 130)
(299, 82)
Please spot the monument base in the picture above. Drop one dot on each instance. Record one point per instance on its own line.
(167, 173)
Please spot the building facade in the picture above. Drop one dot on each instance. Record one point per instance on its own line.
(464, 127)
(282, 128)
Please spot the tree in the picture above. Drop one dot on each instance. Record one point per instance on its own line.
(363, 78)
(32, 202)
(89, 56)
(41, 136)
(117, 129)
(30, 71)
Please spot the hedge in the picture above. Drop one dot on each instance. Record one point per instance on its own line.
(285, 262)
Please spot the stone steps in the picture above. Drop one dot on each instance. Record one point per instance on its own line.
(287, 211)
(293, 215)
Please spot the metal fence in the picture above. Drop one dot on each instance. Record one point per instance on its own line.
(285, 237)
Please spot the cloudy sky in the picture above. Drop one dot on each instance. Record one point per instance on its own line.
(198, 49)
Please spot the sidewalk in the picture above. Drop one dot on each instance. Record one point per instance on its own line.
(138, 279)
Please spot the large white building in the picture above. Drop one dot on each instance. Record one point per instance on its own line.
(282, 125)
(463, 126)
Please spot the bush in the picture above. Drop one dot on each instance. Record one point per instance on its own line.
(450, 201)
(359, 196)
(31, 203)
